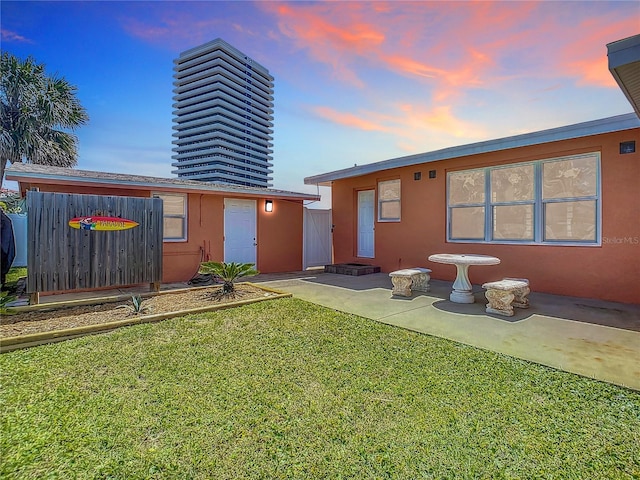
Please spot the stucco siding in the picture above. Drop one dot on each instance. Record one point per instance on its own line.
(610, 271)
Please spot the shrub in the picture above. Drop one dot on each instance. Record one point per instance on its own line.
(228, 272)
(136, 307)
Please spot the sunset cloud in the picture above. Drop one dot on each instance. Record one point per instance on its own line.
(585, 56)
(413, 67)
(9, 36)
(327, 39)
(455, 44)
(439, 119)
(409, 125)
(451, 46)
(350, 120)
(173, 30)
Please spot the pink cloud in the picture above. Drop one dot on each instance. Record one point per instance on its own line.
(411, 66)
(585, 57)
(9, 36)
(406, 39)
(455, 46)
(349, 119)
(422, 39)
(408, 124)
(175, 29)
(440, 119)
(327, 41)
(308, 25)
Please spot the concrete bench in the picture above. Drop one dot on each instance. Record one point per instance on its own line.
(521, 299)
(404, 281)
(504, 294)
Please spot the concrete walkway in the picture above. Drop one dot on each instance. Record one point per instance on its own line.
(596, 339)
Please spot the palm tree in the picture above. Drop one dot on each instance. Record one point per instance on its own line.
(228, 272)
(36, 111)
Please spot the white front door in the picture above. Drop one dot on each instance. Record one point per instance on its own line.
(366, 219)
(240, 238)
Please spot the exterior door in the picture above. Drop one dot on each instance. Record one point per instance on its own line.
(366, 222)
(240, 237)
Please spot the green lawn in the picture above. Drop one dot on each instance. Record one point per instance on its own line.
(13, 275)
(288, 389)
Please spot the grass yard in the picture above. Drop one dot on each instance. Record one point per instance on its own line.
(14, 274)
(288, 389)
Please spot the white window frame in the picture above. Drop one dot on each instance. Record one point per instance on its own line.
(538, 203)
(185, 200)
(382, 201)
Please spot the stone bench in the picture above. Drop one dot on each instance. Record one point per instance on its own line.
(505, 294)
(404, 281)
(521, 299)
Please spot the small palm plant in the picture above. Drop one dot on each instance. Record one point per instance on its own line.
(136, 307)
(228, 272)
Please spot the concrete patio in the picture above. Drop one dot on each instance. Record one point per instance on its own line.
(593, 338)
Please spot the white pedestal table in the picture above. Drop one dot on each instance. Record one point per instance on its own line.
(462, 286)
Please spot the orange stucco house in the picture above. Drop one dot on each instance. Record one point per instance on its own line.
(202, 221)
(560, 207)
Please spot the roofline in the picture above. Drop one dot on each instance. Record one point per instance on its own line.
(624, 65)
(219, 42)
(151, 183)
(623, 51)
(594, 127)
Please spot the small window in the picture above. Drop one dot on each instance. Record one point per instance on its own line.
(389, 201)
(512, 202)
(175, 216)
(467, 205)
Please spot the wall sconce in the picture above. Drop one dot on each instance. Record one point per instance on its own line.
(268, 205)
(628, 147)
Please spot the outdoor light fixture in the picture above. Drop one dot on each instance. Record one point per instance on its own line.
(268, 205)
(628, 147)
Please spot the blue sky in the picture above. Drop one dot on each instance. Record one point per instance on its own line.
(355, 82)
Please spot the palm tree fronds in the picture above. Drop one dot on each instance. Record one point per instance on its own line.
(35, 111)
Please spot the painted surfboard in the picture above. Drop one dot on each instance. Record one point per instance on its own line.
(102, 223)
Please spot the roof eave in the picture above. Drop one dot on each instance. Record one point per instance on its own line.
(624, 65)
(24, 177)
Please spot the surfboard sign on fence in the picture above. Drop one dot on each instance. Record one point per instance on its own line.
(108, 224)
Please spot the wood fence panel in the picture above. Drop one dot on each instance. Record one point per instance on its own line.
(60, 257)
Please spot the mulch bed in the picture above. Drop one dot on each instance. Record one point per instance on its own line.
(61, 318)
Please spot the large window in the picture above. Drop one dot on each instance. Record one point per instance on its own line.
(389, 201)
(175, 216)
(549, 201)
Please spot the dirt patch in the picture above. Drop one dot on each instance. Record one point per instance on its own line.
(57, 318)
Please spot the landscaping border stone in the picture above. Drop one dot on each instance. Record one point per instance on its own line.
(8, 344)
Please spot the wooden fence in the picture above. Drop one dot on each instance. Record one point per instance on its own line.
(60, 257)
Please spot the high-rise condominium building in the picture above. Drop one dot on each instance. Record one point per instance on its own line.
(223, 117)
